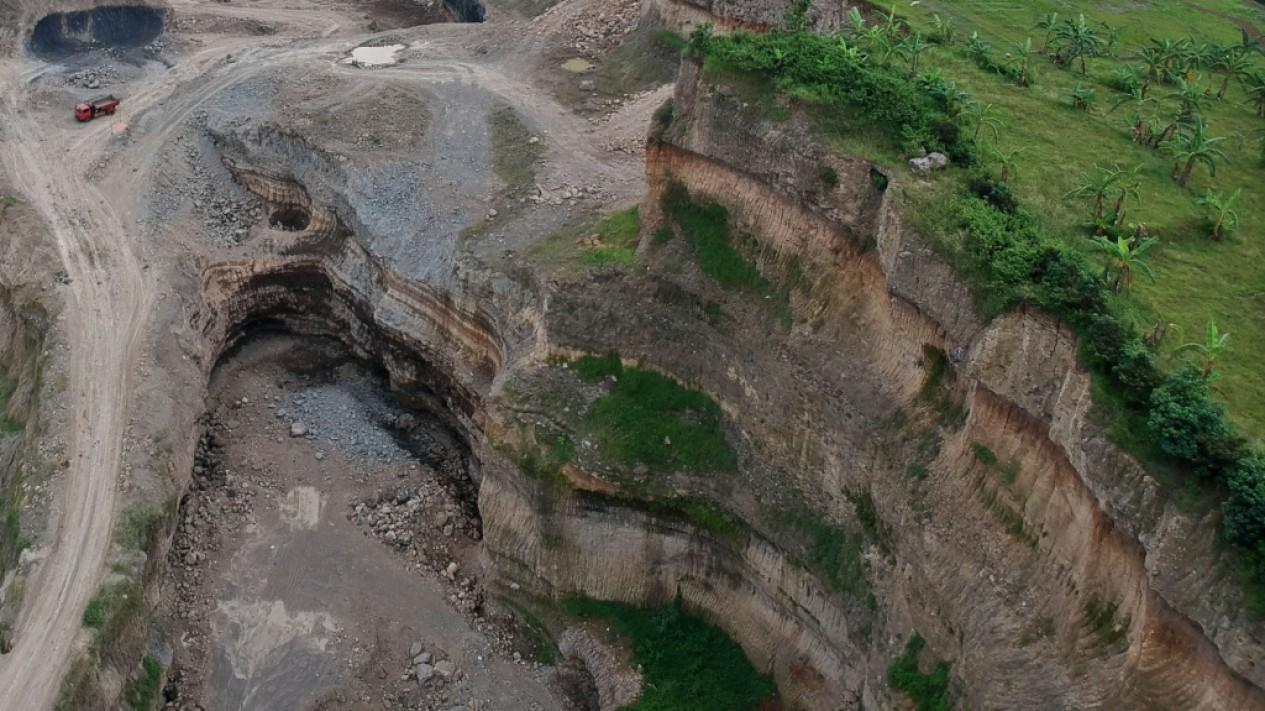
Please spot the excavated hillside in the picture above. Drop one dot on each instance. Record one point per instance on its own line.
(320, 377)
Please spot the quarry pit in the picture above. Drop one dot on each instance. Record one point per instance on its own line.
(306, 359)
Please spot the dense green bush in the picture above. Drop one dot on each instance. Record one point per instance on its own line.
(1189, 427)
(1245, 509)
(828, 71)
(689, 665)
(927, 690)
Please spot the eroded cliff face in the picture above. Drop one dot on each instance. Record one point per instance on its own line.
(1141, 610)
(1057, 577)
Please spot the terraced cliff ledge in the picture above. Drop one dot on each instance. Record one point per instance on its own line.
(1005, 528)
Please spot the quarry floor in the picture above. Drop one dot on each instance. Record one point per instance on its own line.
(281, 596)
(91, 184)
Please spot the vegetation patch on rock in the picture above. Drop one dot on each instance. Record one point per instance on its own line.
(650, 420)
(689, 664)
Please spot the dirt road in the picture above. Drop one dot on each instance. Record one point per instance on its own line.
(109, 300)
(111, 294)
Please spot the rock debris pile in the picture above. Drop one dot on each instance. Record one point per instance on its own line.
(91, 78)
(424, 524)
(590, 34)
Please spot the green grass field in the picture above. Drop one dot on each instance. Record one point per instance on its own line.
(1196, 279)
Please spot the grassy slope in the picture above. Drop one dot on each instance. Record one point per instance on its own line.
(689, 664)
(1196, 279)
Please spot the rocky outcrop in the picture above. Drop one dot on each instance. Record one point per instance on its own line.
(441, 349)
(564, 543)
(617, 686)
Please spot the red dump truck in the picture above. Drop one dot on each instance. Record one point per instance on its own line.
(89, 110)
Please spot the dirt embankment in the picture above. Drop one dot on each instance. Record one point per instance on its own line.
(28, 308)
(1076, 534)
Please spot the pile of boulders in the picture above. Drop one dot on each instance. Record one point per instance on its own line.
(227, 219)
(565, 194)
(591, 33)
(424, 524)
(426, 669)
(216, 497)
(90, 78)
(926, 164)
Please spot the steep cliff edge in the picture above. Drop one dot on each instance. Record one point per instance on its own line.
(1142, 612)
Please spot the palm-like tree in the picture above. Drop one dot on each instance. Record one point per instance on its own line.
(1076, 41)
(1215, 343)
(1254, 85)
(1123, 256)
(1127, 184)
(1153, 62)
(1201, 56)
(911, 48)
(944, 30)
(1097, 183)
(1191, 96)
(1022, 55)
(1196, 146)
(983, 116)
(1234, 64)
(1049, 23)
(1221, 215)
(1083, 97)
(1007, 161)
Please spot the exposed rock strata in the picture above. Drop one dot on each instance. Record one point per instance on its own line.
(1104, 535)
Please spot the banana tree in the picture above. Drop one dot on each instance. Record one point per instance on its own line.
(1083, 97)
(944, 30)
(1049, 23)
(1097, 184)
(1076, 41)
(983, 116)
(1214, 344)
(1022, 55)
(1190, 96)
(1222, 219)
(1153, 60)
(1128, 184)
(1234, 64)
(911, 48)
(1196, 146)
(1123, 256)
(1007, 161)
(1254, 85)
